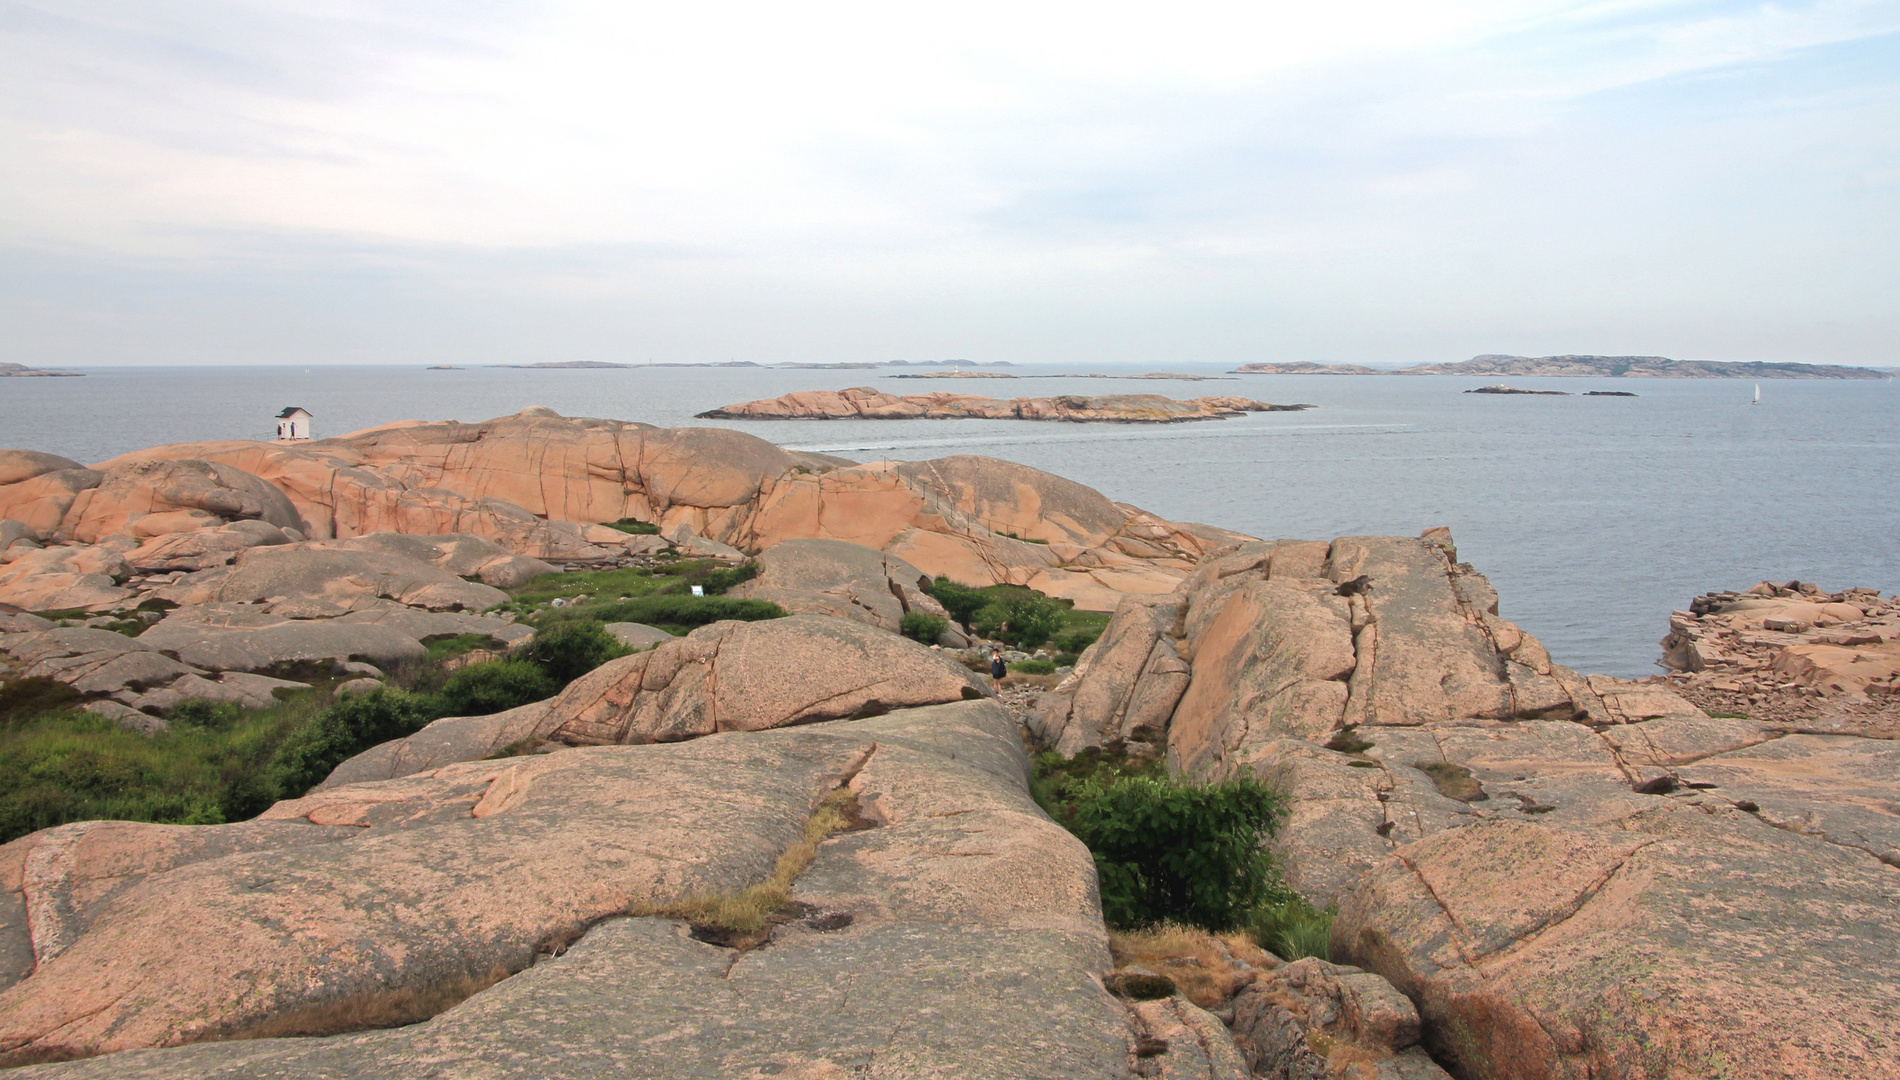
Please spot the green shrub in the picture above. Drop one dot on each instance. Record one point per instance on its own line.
(961, 601)
(1167, 849)
(635, 526)
(1067, 659)
(717, 582)
(1033, 667)
(22, 700)
(492, 687)
(1076, 641)
(1292, 929)
(345, 729)
(210, 715)
(923, 626)
(1024, 619)
(669, 610)
(567, 650)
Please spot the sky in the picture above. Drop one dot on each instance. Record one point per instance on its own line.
(1394, 181)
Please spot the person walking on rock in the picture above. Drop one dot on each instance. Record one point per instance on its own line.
(997, 667)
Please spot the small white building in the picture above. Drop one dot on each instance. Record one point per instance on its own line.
(293, 424)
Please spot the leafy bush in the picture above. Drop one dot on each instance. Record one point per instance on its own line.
(210, 715)
(442, 648)
(345, 729)
(1167, 849)
(635, 527)
(1067, 659)
(1025, 619)
(480, 689)
(961, 601)
(567, 650)
(669, 611)
(923, 626)
(1033, 667)
(1292, 929)
(1076, 641)
(717, 582)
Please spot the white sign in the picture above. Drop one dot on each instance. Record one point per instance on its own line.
(698, 591)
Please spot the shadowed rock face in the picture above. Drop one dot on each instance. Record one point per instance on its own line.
(959, 936)
(1569, 876)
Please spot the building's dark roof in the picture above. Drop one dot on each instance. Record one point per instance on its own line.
(288, 409)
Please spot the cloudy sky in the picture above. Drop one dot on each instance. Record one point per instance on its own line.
(300, 181)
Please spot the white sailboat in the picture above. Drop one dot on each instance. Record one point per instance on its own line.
(1758, 393)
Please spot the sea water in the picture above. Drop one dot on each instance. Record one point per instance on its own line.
(1593, 516)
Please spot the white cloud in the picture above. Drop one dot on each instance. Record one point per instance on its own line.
(834, 150)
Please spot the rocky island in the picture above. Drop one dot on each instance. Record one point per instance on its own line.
(1616, 367)
(1500, 388)
(1534, 873)
(866, 403)
(22, 371)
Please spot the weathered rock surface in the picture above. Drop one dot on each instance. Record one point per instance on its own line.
(1792, 653)
(926, 944)
(537, 483)
(730, 676)
(865, 403)
(1311, 1020)
(203, 548)
(749, 676)
(155, 497)
(342, 577)
(1569, 876)
(844, 580)
(637, 635)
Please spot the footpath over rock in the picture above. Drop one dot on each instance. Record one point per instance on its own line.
(955, 933)
(1570, 876)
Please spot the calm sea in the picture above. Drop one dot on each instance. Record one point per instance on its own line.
(1593, 516)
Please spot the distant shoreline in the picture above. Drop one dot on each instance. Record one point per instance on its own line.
(1599, 367)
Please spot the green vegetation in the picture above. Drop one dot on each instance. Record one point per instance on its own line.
(1292, 929)
(1167, 849)
(634, 526)
(442, 648)
(659, 597)
(923, 627)
(496, 686)
(568, 650)
(1019, 615)
(1033, 667)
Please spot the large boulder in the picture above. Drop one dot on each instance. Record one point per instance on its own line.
(37, 489)
(740, 676)
(200, 549)
(849, 581)
(152, 498)
(65, 577)
(730, 676)
(246, 637)
(19, 465)
(960, 913)
(346, 578)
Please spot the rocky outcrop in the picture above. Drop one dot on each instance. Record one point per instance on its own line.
(1568, 876)
(920, 945)
(340, 577)
(730, 676)
(1305, 367)
(1789, 652)
(1311, 1020)
(844, 580)
(537, 483)
(740, 676)
(865, 403)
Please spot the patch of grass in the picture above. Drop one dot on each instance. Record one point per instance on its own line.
(1728, 716)
(1452, 780)
(1033, 667)
(631, 581)
(634, 526)
(670, 612)
(1025, 539)
(66, 765)
(1292, 929)
(25, 699)
(1202, 965)
(740, 918)
(443, 648)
